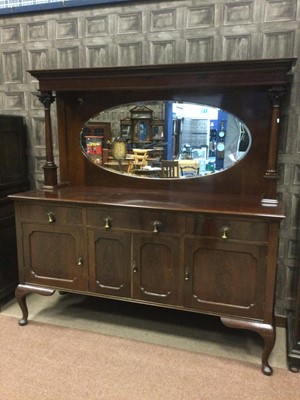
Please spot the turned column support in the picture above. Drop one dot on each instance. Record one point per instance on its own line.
(50, 169)
(271, 175)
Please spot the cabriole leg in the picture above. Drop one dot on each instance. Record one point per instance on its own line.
(266, 331)
(21, 292)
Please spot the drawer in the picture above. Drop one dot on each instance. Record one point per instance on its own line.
(51, 213)
(231, 228)
(135, 219)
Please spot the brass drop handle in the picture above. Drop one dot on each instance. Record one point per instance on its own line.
(225, 230)
(107, 224)
(156, 225)
(80, 262)
(187, 274)
(51, 217)
(134, 267)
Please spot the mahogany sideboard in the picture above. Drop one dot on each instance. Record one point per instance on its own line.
(207, 244)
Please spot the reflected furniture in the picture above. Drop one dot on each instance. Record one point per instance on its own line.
(99, 129)
(121, 166)
(148, 171)
(189, 171)
(142, 127)
(140, 157)
(13, 178)
(169, 169)
(205, 245)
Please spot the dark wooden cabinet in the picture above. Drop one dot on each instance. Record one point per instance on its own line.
(13, 178)
(205, 244)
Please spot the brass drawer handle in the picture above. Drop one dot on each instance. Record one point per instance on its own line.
(80, 262)
(156, 225)
(51, 217)
(224, 231)
(107, 222)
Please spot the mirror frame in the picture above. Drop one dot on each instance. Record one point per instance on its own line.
(252, 90)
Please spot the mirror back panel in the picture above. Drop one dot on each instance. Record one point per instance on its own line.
(249, 90)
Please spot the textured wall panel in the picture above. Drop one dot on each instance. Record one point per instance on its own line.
(237, 47)
(296, 175)
(278, 10)
(97, 56)
(68, 57)
(162, 52)
(239, 13)
(199, 50)
(130, 23)
(38, 59)
(130, 54)
(295, 209)
(163, 20)
(278, 44)
(96, 26)
(200, 17)
(38, 131)
(12, 66)
(37, 31)
(11, 34)
(14, 101)
(67, 29)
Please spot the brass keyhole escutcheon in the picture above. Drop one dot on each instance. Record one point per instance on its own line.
(51, 217)
(187, 274)
(80, 262)
(156, 226)
(107, 223)
(224, 231)
(134, 267)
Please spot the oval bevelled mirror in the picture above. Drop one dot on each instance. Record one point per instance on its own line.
(165, 139)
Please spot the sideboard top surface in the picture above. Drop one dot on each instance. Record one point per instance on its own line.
(156, 200)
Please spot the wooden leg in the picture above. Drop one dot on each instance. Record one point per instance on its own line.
(294, 368)
(21, 292)
(266, 331)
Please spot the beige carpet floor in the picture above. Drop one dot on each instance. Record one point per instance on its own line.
(43, 361)
(165, 327)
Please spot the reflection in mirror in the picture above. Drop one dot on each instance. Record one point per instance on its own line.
(165, 139)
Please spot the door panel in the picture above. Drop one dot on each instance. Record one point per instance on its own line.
(225, 277)
(156, 269)
(54, 255)
(109, 255)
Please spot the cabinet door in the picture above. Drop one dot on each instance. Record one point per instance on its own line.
(155, 267)
(225, 278)
(54, 256)
(109, 263)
